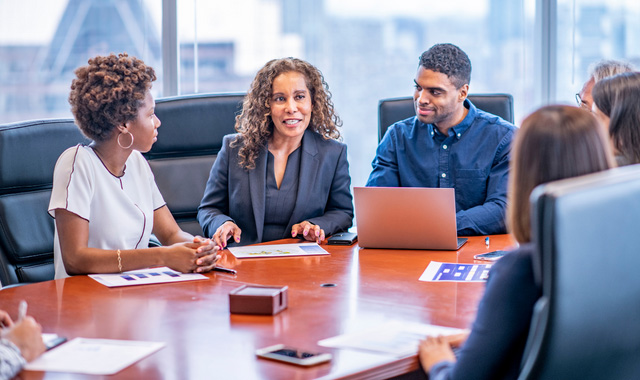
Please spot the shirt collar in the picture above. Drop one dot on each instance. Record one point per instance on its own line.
(461, 128)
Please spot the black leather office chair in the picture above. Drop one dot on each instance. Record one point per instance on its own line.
(586, 323)
(28, 153)
(396, 109)
(189, 139)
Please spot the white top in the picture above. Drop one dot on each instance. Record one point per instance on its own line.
(119, 209)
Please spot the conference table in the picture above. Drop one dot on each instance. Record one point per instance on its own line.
(347, 291)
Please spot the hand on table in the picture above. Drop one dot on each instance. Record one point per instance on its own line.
(309, 231)
(208, 252)
(224, 232)
(187, 257)
(434, 350)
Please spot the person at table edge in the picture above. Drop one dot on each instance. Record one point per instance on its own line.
(284, 174)
(450, 143)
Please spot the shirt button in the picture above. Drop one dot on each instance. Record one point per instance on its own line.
(444, 175)
(444, 146)
(458, 135)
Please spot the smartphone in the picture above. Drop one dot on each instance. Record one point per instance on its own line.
(55, 342)
(292, 355)
(490, 256)
(343, 238)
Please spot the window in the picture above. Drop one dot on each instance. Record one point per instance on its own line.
(367, 51)
(42, 42)
(589, 31)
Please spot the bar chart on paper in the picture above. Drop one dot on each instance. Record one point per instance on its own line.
(456, 272)
(145, 277)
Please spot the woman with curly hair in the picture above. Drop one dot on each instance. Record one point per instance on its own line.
(105, 200)
(283, 174)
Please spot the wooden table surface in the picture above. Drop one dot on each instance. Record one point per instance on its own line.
(204, 341)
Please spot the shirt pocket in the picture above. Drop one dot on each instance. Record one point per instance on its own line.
(471, 187)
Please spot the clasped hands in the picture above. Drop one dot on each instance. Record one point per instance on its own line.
(201, 255)
(307, 230)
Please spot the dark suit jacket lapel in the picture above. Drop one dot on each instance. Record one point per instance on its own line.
(257, 188)
(309, 165)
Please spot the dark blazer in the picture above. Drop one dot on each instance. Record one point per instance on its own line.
(499, 334)
(324, 195)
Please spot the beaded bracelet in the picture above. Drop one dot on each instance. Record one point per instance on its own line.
(119, 261)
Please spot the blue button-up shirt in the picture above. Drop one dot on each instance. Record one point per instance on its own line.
(473, 158)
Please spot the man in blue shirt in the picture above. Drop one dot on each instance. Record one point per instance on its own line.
(450, 143)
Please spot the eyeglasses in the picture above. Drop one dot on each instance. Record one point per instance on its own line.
(581, 103)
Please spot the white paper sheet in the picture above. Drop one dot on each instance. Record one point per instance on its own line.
(397, 338)
(277, 250)
(145, 276)
(454, 272)
(93, 356)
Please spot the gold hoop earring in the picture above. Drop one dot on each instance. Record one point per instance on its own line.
(120, 144)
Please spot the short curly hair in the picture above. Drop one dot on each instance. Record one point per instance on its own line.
(449, 60)
(254, 122)
(108, 92)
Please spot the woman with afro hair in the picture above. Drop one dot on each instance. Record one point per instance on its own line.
(104, 199)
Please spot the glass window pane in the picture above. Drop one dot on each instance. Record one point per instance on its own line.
(589, 31)
(42, 42)
(367, 51)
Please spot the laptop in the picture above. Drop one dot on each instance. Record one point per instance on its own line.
(406, 218)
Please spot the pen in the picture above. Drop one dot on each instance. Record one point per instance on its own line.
(486, 241)
(22, 310)
(225, 270)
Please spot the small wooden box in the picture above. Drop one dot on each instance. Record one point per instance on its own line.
(256, 299)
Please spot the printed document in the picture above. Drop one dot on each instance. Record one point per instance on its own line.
(277, 250)
(398, 338)
(452, 272)
(145, 276)
(93, 356)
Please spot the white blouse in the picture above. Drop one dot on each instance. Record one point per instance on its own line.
(119, 209)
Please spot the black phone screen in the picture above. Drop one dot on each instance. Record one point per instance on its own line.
(293, 353)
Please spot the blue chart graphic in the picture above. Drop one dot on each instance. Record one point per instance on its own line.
(462, 272)
(139, 276)
(312, 249)
(145, 277)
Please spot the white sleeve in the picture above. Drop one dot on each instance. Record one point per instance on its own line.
(73, 179)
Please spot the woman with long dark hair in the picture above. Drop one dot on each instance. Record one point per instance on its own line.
(553, 143)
